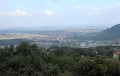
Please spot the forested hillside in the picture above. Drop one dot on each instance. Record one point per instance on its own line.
(112, 33)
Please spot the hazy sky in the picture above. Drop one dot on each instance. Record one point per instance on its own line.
(59, 12)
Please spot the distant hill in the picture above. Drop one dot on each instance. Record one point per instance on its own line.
(112, 33)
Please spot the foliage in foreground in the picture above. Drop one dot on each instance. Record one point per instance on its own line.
(30, 60)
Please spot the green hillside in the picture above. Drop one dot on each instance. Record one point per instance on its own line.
(112, 33)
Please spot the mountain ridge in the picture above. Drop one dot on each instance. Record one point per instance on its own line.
(112, 33)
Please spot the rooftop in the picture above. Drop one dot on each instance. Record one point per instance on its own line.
(117, 53)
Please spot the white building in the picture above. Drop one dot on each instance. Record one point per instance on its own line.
(116, 55)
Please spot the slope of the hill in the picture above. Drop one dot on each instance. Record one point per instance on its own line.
(112, 33)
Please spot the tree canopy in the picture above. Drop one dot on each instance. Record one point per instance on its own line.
(30, 60)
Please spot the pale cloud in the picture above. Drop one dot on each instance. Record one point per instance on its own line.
(15, 13)
(18, 13)
(118, 4)
(48, 12)
(114, 6)
(75, 7)
(93, 12)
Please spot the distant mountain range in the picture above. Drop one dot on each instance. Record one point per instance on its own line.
(112, 33)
